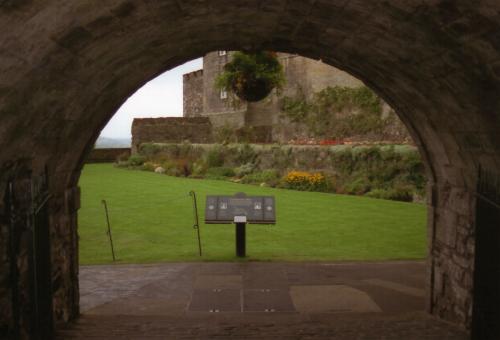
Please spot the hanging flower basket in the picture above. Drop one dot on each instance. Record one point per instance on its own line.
(251, 76)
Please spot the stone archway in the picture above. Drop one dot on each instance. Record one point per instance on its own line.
(67, 66)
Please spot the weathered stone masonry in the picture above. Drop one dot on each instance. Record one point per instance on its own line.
(66, 66)
(192, 93)
(170, 130)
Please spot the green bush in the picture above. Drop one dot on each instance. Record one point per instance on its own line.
(245, 154)
(379, 171)
(149, 150)
(219, 173)
(245, 169)
(215, 157)
(281, 158)
(149, 166)
(271, 177)
(225, 134)
(174, 171)
(399, 193)
(178, 167)
(185, 150)
(358, 186)
(136, 160)
(199, 169)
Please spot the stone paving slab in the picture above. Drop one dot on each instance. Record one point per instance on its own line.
(220, 281)
(216, 301)
(267, 301)
(248, 300)
(334, 299)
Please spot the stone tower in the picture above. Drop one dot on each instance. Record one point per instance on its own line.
(303, 76)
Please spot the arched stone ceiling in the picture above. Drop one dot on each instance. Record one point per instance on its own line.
(66, 66)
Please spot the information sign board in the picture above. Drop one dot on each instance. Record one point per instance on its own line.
(223, 209)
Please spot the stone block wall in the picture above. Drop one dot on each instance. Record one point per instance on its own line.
(235, 119)
(193, 94)
(213, 64)
(64, 252)
(452, 252)
(5, 289)
(304, 78)
(170, 130)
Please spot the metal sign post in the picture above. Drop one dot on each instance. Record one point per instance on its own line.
(196, 224)
(109, 229)
(240, 209)
(241, 226)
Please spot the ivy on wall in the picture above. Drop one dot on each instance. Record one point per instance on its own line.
(251, 76)
(338, 112)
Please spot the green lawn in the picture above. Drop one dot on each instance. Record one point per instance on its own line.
(152, 216)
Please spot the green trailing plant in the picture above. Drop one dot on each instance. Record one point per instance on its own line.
(225, 134)
(251, 76)
(149, 150)
(215, 156)
(338, 112)
(245, 153)
(245, 169)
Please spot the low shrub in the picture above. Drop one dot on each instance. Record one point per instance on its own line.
(307, 181)
(199, 169)
(219, 173)
(185, 167)
(136, 160)
(149, 150)
(389, 172)
(271, 177)
(178, 167)
(245, 154)
(398, 193)
(357, 186)
(245, 169)
(173, 172)
(123, 157)
(149, 166)
(215, 157)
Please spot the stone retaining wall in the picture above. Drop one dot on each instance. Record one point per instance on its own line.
(171, 130)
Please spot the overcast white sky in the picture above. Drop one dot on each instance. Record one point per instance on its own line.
(161, 97)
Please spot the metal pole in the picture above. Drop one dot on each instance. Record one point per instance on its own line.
(109, 229)
(241, 239)
(196, 220)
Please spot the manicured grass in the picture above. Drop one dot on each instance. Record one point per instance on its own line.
(152, 216)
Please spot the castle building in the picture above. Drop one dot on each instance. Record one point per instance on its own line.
(303, 76)
(208, 110)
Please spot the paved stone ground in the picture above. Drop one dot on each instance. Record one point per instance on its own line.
(256, 301)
